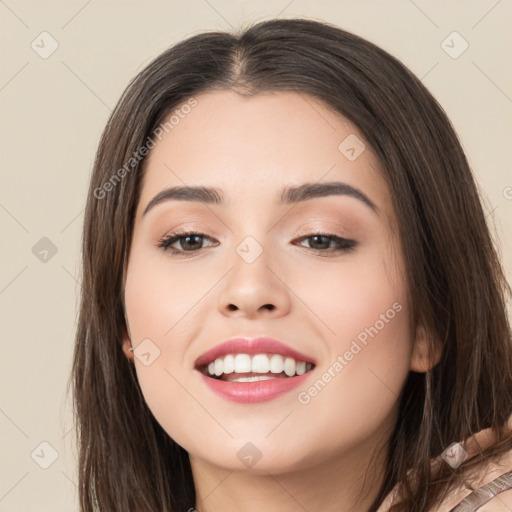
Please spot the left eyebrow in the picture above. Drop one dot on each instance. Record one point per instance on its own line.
(307, 191)
(289, 195)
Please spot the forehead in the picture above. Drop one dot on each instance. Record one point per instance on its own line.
(250, 147)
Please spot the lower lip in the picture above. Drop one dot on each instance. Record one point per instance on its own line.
(253, 392)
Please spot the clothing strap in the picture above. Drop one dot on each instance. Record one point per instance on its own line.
(484, 494)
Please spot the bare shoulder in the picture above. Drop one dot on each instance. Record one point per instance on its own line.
(500, 503)
(481, 476)
(474, 479)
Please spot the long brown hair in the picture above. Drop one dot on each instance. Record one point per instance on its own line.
(456, 284)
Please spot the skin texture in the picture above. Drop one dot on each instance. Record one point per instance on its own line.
(475, 478)
(502, 502)
(313, 456)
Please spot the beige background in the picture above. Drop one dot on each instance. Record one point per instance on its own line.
(53, 111)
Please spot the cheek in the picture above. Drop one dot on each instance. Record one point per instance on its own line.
(354, 294)
(362, 306)
(159, 309)
(162, 298)
(358, 388)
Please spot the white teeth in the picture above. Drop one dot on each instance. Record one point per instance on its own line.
(229, 364)
(219, 367)
(300, 367)
(242, 363)
(276, 363)
(289, 366)
(253, 378)
(259, 363)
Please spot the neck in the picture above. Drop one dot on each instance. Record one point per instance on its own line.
(348, 481)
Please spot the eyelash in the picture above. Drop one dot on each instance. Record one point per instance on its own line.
(344, 244)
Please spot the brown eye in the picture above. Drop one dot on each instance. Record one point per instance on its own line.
(190, 241)
(321, 242)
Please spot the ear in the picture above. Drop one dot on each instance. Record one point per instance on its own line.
(422, 360)
(127, 344)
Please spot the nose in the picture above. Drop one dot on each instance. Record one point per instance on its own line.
(254, 289)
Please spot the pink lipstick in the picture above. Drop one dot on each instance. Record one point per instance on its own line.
(253, 370)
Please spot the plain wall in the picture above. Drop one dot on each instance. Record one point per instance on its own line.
(53, 111)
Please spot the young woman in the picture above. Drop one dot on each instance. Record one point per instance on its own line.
(290, 297)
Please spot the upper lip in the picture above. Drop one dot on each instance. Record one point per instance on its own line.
(251, 346)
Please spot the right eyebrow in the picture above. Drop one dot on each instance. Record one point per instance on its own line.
(200, 194)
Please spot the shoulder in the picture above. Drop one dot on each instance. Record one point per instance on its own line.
(500, 503)
(478, 477)
(482, 475)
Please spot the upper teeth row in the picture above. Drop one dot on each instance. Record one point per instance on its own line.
(259, 363)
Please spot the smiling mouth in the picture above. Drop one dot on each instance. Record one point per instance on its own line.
(253, 368)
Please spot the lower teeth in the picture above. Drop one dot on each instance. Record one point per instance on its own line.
(252, 379)
(249, 377)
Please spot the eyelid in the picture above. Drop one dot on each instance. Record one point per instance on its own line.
(344, 244)
(312, 230)
(164, 243)
(303, 231)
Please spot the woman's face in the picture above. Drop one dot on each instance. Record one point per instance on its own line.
(259, 270)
